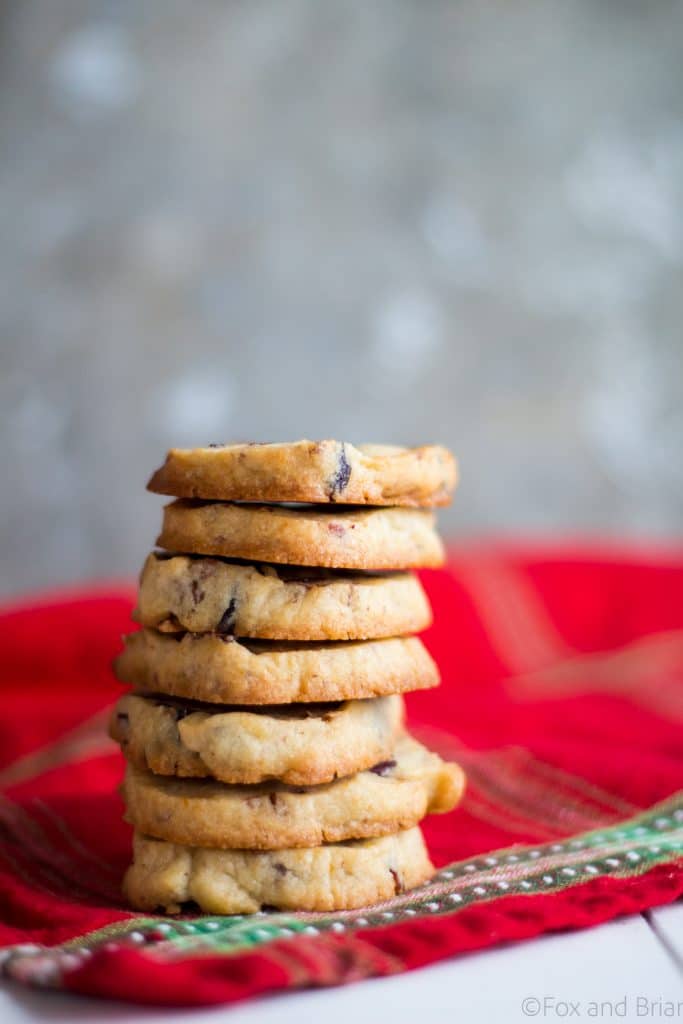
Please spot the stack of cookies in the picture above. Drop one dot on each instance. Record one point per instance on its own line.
(268, 764)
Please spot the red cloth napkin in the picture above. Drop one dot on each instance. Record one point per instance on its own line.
(562, 697)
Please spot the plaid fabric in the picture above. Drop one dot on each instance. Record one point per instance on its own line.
(562, 698)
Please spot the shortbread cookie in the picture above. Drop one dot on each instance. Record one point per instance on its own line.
(393, 795)
(337, 876)
(317, 471)
(355, 538)
(299, 744)
(224, 670)
(270, 602)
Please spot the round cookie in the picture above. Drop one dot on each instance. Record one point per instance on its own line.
(353, 538)
(310, 471)
(339, 876)
(224, 670)
(271, 602)
(393, 795)
(299, 744)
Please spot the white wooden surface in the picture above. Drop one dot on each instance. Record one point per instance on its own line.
(667, 923)
(603, 971)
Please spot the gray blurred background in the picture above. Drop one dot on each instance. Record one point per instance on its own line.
(373, 220)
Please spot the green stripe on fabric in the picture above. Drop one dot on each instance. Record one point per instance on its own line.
(629, 848)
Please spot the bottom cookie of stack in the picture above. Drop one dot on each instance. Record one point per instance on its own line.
(335, 876)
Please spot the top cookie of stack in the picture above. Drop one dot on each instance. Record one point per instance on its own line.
(310, 471)
(258, 549)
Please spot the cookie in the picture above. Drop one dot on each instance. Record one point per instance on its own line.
(392, 795)
(277, 602)
(299, 744)
(310, 471)
(225, 670)
(355, 538)
(339, 876)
